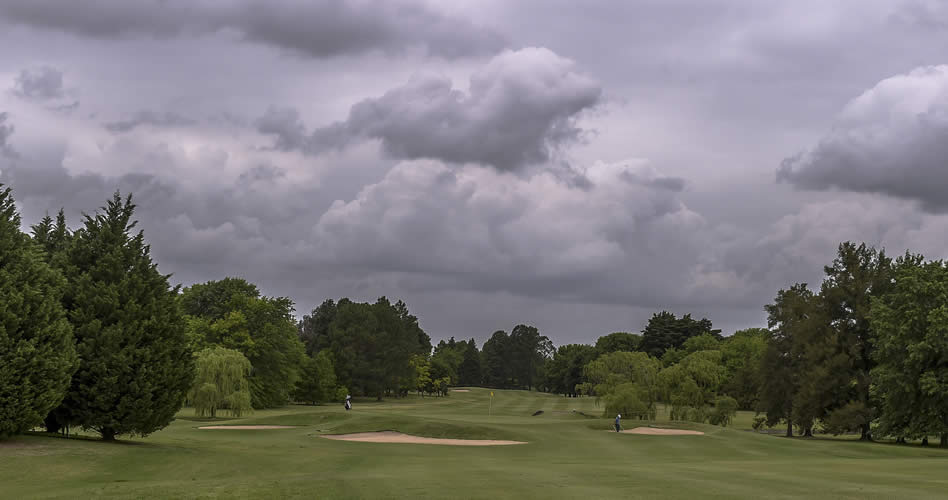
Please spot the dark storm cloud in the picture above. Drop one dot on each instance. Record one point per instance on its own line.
(892, 140)
(6, 131)
(40, 83)
(521, 108)
(320, 28)
(150, 118)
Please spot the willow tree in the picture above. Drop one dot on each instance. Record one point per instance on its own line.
(220, 382)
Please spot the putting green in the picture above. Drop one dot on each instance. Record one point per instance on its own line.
(568, 455)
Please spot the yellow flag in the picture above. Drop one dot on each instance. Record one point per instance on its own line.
(491, 393)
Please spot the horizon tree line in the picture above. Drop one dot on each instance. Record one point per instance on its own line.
(93, 336)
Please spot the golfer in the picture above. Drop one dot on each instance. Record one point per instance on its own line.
(618, 427)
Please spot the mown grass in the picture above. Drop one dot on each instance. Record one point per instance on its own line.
(568, 455)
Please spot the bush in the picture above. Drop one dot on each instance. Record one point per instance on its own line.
(725, 408)
(626, 399)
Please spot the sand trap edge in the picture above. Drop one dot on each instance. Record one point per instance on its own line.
(248, 427)
(654, 431)
(460, 390)
(398, 437)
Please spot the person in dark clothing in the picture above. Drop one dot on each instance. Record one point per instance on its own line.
(618, 427)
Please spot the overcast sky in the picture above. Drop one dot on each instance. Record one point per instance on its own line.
(572, 165)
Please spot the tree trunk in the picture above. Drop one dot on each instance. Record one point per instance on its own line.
(808, 432)
(108, 434)
(866, 435)
(944, 440)
(52, 424)
(925, 441)
(789, 428)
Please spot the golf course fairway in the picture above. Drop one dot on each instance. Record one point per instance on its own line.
(568, 453)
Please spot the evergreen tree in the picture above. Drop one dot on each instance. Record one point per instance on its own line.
(54, 239)
(135, 367)
(37, 351)
(497, 360)
(664, 331)
(470, 372)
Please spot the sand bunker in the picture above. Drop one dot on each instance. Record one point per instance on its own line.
(654, 431)
(247, 427)
(460, 390)
(398, 437)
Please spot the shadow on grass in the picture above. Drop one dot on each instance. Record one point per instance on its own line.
(193, 418)
(87, 438)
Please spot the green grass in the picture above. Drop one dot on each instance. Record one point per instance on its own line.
(568, 456)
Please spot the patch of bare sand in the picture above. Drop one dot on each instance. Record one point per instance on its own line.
(460, 390)
(654, 431)
(247, 427)
(398, 437)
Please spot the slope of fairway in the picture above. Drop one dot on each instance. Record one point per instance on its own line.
(568, 455)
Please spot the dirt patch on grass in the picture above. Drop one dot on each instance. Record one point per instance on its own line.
(654, 431)
(460, 390)
(247, 427)
(398, 437)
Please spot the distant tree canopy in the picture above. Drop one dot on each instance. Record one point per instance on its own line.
(911, 385)
(37, 350)
(665, 331)
(92, 335)
(565, 370)
(618, 341)
(372, 345)
(231, 313)
(516, 360)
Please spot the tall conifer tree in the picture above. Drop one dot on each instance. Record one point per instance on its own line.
(37, 352)
(135, 366)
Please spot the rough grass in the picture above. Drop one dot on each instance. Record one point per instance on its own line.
(568, 456)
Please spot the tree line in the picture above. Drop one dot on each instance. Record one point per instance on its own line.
(93, 336)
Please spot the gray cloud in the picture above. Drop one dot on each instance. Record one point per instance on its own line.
(892, 140)
(715, 92)
(149, 118)
(521, 108)
(432, 227)
(6, 131)
(40, 83)
(322, 28)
